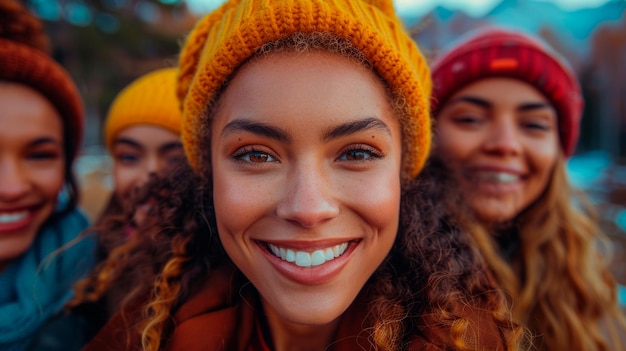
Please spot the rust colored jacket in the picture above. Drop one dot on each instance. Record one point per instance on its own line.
(221, 316)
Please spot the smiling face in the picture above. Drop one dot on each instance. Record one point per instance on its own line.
(141, 150)
(500, 135)
(306, 156)
(31, 166)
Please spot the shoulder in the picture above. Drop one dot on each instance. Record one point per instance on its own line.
(77, 248)
(75, 221)
(219, 314)
(216, 316)
(63, 332)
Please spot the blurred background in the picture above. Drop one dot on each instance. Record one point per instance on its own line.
(105, 44)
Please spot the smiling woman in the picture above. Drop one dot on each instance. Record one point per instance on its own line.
(31, 166)
(41, 119)
(142, 131)
(314, 177)
(300, 224)
(508, 111)
(520, 120)
(142, 134)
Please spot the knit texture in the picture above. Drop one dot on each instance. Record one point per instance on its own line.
(496, 52)
(150, 99)
(31, 67)
(224, 39)
(36, 286)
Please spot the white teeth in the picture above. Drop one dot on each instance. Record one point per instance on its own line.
(303, 259)
(329, 255)
(308, 259)
(318, 257)
(499, 177)
(12, 217)
(507, 177)
(335, 250)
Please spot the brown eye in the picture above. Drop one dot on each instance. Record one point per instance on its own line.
(360, 153)
(356, 155)
(253, 156)
(258, 157)
(127, 158)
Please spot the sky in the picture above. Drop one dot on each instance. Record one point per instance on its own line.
(478, 7)
(420, 7)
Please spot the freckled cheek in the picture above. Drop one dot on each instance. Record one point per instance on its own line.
(51, 182)
(455, 144)
(124, 178)
(240, 199)
(377, 199)
(543, 155)
(544, 167)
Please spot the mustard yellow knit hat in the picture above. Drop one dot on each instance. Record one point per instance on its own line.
(150, 99)
(225, 38)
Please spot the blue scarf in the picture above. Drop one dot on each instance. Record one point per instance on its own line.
(35, 287)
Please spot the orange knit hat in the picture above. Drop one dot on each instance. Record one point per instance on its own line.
(24, 59)
(224, 39)
(150, 99)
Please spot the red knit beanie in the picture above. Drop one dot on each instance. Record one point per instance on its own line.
(24, 60)
(496, 52)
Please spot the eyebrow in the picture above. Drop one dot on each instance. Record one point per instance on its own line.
(357, 126)
(129, 142)
(473, 100)
(170, 146)
(43, 141)
(486, 104)
(257, 128)
(533, 106)
(341, 130)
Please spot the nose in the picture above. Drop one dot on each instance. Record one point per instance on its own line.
(152, 164)
(504, 138)
(307, 199)
(151, 167)
(13, 180)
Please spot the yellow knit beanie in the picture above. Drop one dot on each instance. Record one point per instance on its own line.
(150, 99)
(225, 38)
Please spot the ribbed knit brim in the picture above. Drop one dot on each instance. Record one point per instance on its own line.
(25, 65)
(226, 38)
(498, 52)
(150, 99)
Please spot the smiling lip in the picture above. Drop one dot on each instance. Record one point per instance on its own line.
(495, 169)
(494, 180)
(12, 220)
(315, 271)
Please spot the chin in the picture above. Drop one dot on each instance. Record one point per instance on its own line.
(493, 212)
(313, 318)
(314, 310)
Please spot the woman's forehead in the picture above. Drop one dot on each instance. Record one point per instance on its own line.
(304, 86)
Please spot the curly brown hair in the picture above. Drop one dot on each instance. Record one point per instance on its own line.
(431, 276)
(111, 232)
(432, 269)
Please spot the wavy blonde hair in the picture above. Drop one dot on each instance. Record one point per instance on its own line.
(558, 279)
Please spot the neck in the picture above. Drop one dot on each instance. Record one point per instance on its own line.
(288, 336)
